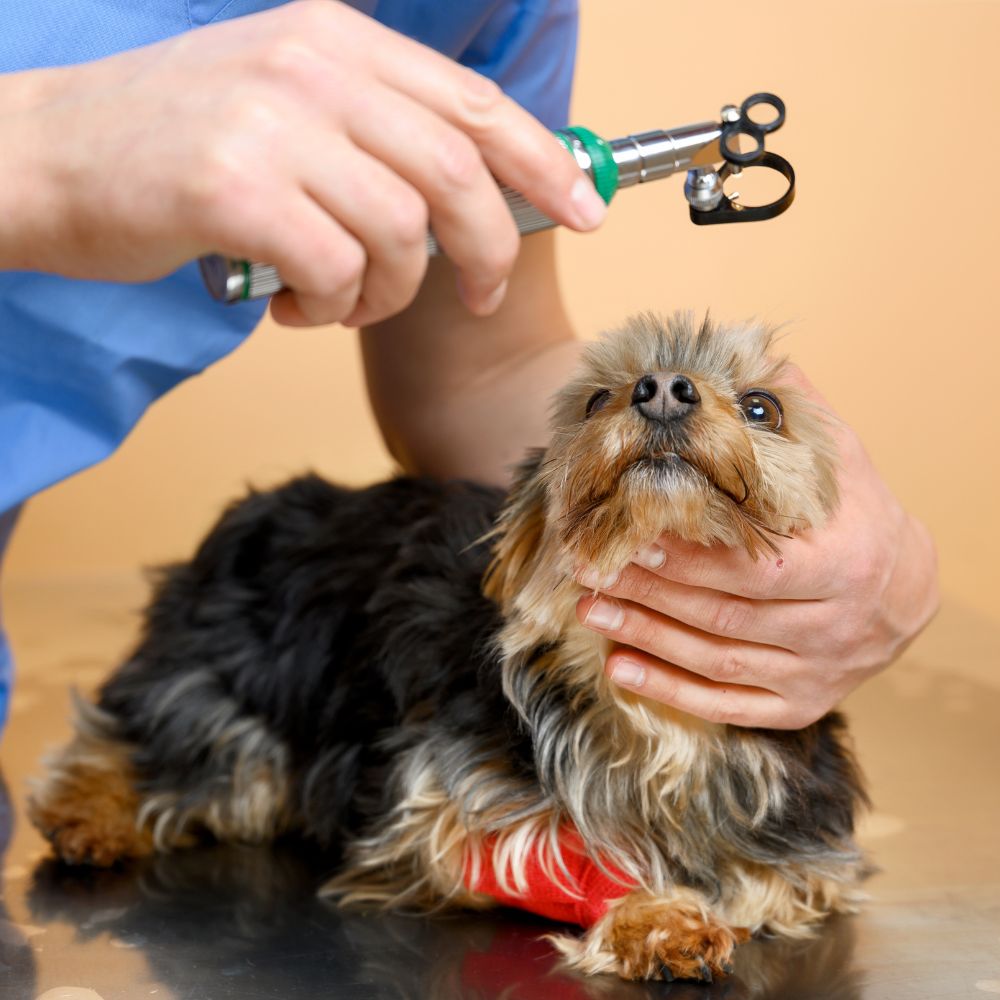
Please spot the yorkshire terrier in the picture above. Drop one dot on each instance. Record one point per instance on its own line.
(398, 674)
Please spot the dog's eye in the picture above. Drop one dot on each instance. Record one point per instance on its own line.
(596, 402)
(762, 408)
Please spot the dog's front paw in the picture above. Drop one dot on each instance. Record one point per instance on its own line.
(87, 806)
(656, 937)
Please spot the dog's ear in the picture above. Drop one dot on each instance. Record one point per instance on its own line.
(519, 533)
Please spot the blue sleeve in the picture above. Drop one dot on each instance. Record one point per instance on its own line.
(80, 361)
(527, 46)
(529, 49)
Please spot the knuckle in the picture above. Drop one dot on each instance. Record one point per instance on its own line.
(863, 575)
(642, 586)
(730, 617)
(844, 637)
(219, 177)
(459, 162)
(480, 98)
(729, 665)
(283, 57)
(409, 220)
(258, 122)
(687, 566)
(216, 185)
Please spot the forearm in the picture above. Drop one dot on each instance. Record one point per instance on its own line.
(458, 395)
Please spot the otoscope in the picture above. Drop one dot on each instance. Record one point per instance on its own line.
(709, 151)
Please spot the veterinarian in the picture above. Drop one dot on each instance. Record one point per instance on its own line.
(309, 135)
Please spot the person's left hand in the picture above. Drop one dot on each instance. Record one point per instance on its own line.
(775, 641)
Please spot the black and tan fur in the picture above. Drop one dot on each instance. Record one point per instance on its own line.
(397, 673)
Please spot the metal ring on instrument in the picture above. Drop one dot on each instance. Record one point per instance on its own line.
(771, 100)
(733, 131)
(744, 125)
(727, 211)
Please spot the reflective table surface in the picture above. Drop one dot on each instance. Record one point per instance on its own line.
(222, 923)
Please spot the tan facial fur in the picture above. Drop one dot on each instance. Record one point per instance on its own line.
(611, 482)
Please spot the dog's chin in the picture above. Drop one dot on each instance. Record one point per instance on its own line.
(662, 492)
(686, 495)
(663, 469)
(660, 482)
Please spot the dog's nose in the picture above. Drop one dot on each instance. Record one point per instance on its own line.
(665, 396)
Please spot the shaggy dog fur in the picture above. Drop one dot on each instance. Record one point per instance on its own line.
(398, 674)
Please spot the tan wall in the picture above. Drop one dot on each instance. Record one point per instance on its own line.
(886, 268)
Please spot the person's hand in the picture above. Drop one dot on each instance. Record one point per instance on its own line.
(308, 136)
(774, 642)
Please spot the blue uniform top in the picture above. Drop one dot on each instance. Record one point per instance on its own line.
(81, 361)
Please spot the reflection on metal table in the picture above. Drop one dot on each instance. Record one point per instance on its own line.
(218, 923)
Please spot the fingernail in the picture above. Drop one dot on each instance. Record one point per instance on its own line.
(650, 556)
(491, 303)
(589, 205)
(605, 614)
(592, 580)
(628, 673)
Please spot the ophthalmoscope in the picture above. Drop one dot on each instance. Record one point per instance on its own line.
(710, 152)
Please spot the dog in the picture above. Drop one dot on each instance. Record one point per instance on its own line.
(397, 674)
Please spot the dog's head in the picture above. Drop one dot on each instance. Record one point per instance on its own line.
(696, 431)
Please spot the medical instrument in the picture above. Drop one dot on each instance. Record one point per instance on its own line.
(710, 152)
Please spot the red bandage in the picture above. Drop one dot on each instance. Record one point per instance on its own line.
(581, 897)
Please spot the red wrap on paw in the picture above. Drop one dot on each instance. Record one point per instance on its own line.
(581, 898)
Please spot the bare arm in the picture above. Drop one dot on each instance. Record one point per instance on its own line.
(461, 395)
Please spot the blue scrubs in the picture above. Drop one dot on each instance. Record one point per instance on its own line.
(81, 361)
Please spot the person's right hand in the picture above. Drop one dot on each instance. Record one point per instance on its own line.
(309, 136)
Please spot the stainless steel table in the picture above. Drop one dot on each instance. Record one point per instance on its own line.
(244, 924)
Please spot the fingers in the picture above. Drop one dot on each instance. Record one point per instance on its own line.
(317, 257)
(780, 623)
(386, 215)
(517, 148)
(443, 130)
(372, 256)
(669, 684)
(469, 217)
(727, 661)
(721, 680)
(800, 572)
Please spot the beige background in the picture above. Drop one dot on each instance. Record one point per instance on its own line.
(885, 269)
